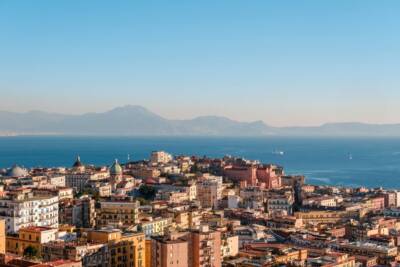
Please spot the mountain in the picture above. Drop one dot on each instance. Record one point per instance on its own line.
(127, 120)
(138, 121)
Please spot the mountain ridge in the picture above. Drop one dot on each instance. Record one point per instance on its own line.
(135, 120)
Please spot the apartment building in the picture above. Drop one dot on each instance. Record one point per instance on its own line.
(160, 157)
(205, 247)
(117, 213)
(209, 191)
(22, 208)
(170, 251)
(126, 249)
(30, 237)
(79, 180)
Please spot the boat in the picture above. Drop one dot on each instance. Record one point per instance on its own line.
(278, 152)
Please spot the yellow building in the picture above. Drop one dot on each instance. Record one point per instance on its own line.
(2, 237)
(66, 228)
(126, 249)
(194, 219)
(324, 216)
(229, 246)
(156, 226)
(291, 255)
(182, 220)
(30, 237)
(117, 213)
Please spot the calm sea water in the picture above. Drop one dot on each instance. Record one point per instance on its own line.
(375, 161)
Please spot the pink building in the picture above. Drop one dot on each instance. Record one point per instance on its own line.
(242, 173)
(270, 175)
(170, 251)
(378, 203)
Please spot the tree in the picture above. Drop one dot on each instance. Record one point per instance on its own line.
(31, 252)
(143, 201)
(147, 192)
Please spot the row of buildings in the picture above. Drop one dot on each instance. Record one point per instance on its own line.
(172, 211)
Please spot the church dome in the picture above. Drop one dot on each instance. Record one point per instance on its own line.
(78, 162)
(116, 169)
(17, 171)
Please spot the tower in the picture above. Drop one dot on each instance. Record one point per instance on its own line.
(115, 174)
(78, 166)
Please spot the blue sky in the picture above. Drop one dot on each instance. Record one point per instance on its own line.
(283, 62)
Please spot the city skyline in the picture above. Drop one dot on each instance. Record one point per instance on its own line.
(199, 133)
(287, 64)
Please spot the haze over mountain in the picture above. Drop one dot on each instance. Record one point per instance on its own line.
(138, 121)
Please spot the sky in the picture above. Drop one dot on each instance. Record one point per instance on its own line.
(283, 62)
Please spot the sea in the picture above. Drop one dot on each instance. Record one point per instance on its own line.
(354, 162)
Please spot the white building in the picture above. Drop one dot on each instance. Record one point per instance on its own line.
(323, 201)
(24, 209)
(280, 204)
(78, 180)
(160, 157)
(57, 180)
(170, 169)
(397, 194)
(192, 191)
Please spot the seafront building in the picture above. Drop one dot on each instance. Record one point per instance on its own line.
(181, 211)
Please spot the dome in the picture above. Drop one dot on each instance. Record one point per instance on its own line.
(78, 162)
(17, 171)
(116, 169)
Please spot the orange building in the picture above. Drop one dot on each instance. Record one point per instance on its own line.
(205, 247)
(126, 249)
(281, 253)
(2, 237)
(148, 254)
(32, 236)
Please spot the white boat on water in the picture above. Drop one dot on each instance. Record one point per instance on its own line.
(278, 152)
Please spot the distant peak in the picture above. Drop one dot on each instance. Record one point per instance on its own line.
(213, 117)
(130, 107)
(133, 110)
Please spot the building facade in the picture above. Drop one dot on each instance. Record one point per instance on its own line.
(24, 209)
